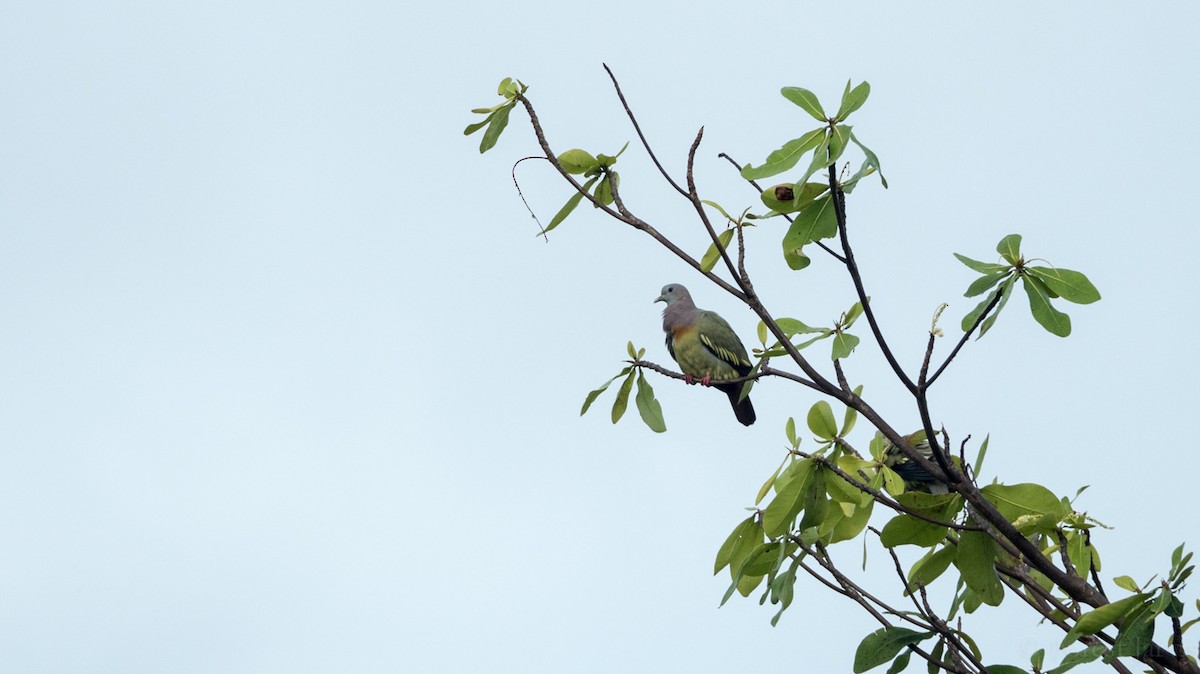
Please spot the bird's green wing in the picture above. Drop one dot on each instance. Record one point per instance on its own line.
(721, 341)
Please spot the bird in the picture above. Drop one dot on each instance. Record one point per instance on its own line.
(915, 477)
(706, 348)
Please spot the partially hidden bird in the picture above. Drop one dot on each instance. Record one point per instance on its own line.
(914, 476)
(706, 348)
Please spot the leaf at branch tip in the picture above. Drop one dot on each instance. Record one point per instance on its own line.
(762, 333)
(785, 157)
(853, 99)
(648, 406)
(884, 644)
(1070, 285)
(622, 401)
(576, 161)
(591, 397)
(1126, 583)
(499, 120)
(982, 267)
(1010, 248)
(820, 157)
(790, 488)
(1054, 321)
(604, 191)
(1038, 658)
(472, 128)
(807, 100)
(790, 431)
(789, 197)
(844, 344)
(1005, 292)
(567, 208)
(871, 162)
(766, 487)
(821, 421)
(985, 283)
(713, 253)
(839, 138)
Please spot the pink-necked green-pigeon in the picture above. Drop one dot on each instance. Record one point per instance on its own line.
(706, 348)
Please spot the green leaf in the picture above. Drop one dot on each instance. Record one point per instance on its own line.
(1010, 248)
(785, 157)
(1005, 291)
(1018, 500)
(713, 253)
(790, 431)
(1038, 658)
(806, 100)
(472, 128)
(618, 408)
(1126, 583)
(499, 120)
(900, 663)
(1097, 619)
(791, 326)
(871, 161)
(931, 566)
(818, 221)
(851, 416)
(795, 258)
(853, 99)
(984, 283)
(820, 158)
(839, 138)
(789, 498)
(504, 84)
(648, 406)
(908, 530)
(1136, 634)
(1089, 654)
(766, 487)
(591, 397)
(1054, 321)
(884, 644)
(821, 421)
(978, 465)
(604, 191)
(567, 207)
(1005, 669)
(746, 536)
(576, 161)
(982, 267)
(976, 559)
(786, 198)
(1070, 285)
(843, 344)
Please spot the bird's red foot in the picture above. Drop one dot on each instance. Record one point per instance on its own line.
(689, 379)
(706, 380)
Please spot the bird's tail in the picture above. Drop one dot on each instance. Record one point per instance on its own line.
(743, 410)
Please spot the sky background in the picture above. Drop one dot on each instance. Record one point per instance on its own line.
(289, 384)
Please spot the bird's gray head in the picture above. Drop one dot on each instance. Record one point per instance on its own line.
(673, 292)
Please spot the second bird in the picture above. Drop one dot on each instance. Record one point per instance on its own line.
(705, 347)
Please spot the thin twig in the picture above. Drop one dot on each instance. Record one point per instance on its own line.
(638, 128)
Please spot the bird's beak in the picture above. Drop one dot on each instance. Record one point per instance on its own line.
(660, 298)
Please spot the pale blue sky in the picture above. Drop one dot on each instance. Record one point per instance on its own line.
(289, 384)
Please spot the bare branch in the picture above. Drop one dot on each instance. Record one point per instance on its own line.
(637, 127)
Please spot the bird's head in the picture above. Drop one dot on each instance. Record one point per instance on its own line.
(673, 292)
